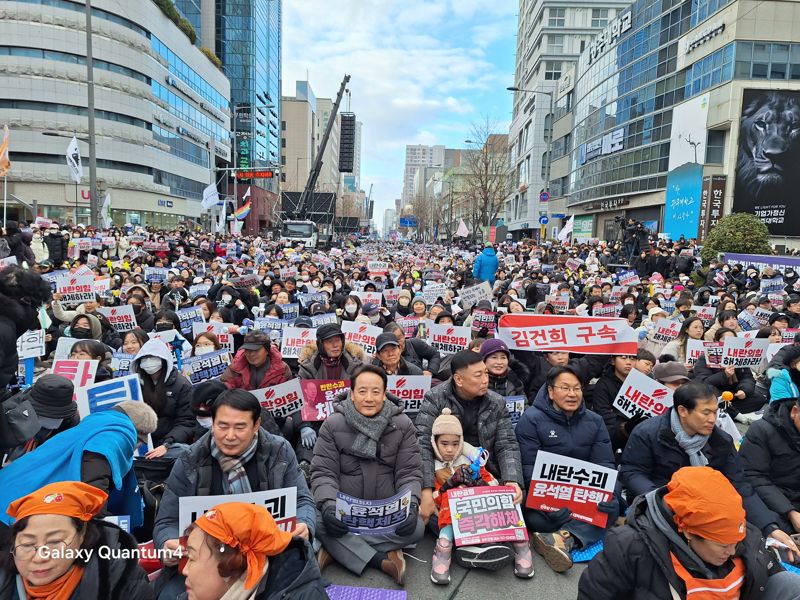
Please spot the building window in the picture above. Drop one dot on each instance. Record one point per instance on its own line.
(555, 44)
(715, 147)
(557, 17)
(599, 17)
(552, 70)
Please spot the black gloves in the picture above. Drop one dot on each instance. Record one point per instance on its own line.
(333, 526)
(408, 526)
(608, 507)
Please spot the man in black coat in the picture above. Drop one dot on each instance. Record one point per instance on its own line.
(770, 456)
(687, 435)
(56, 245)
(539, 364)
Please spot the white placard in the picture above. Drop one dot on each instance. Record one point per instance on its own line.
(282, 505)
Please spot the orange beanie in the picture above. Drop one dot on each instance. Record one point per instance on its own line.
(69, 498)
(249, 528)
(706, 504)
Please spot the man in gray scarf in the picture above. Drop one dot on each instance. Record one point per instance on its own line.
(684, 436)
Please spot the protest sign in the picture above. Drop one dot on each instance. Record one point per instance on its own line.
(174, 340)
(75, 290)
(318, 396)
(788, 335)
(281, 503)
(121, 318)
(743, 353)
(666, 331)
(200, 289)
(271, 324)
(189, 316)
(324, 318)
(245, 281)
(206, 367)
(616, 293)
(281, 400)
(706, 314)
(107, 394)
(557, 333)
(515, 406)
(155, 274)
(606, 310)
(411, 389)
(720, 279)
(373, 517)
(668, 305)
(628, 278)
(31, 344)
(560, 302)
(559, 482)
(470, 296)
(573, 264)
(484, 319)
(219, 329)
(121, 364)
(486, 515)
(368, 297)
(641, 396)
(377, 267)
(748, 321)
(410, 326)
(713, 353)
(290, 311)
(362, 335)
(776, 300)
(64, 347)
(434, 291)
(449, 339)
(295, 339)
(694, 350)
(156, 246)
(80, 372)
(762, 316)
(391, 295)
(91, 260)
(772, 286)
(307, 300)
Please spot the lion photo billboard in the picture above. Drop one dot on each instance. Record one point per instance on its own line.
(767, 173)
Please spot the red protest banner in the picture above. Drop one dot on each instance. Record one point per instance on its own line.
(318, 395)
(560, 333)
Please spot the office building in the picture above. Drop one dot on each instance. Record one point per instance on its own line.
(162, 120)
(418, 156)
(551, 35)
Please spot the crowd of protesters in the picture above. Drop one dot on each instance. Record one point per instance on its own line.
(694, 499)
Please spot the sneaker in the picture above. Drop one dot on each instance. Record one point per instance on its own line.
(488, 556)
(440, 564)
(555, 548)
(395, 566)
(523, 560)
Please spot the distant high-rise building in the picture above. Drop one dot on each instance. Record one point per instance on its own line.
(419, 156)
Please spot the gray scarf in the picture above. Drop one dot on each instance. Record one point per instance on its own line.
(691, 444)
(233, 468)
(370, 429)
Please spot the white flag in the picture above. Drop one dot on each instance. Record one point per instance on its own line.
(74, 160)
(567, 230)
(105, 211)
(210, 196)
(462, 230)
(221, 221)
(246, 194)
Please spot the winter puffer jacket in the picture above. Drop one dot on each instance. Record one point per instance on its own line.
(514, 381)
(635, 563)
(311, 367)
(176, 422)
(335, 468)
(485, 267)
(237, 375)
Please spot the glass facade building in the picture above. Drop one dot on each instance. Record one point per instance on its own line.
(627, 85)
(248, 41)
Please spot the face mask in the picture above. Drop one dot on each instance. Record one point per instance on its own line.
(199, 350)
(304, 277)
(137, 309)
(350, 309)
(164, 326)
(205, 422)
(81, 333)
(628, 301)
(374, 319)
(315, 284)
(150, 364)
(545, 280)
(338, 285)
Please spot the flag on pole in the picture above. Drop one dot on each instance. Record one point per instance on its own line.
(462, 230)
(246, 194)
(210, 196)
(567, 230)
(242, 212)
(74, 160)
(222, 214)
(5, 163)
(105, 211)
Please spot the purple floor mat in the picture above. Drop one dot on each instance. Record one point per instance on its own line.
(343, 592)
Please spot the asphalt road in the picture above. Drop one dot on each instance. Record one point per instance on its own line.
(465, 584)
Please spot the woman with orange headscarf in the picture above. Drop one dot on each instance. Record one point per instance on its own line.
(58, 551)
(236, 552)
(688, 539)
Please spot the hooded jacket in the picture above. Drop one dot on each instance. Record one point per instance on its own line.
(485, 267)
(635, 563)
(237, 375)
(15, 320)
(652, 455)
(311, 367)
(335, 468)
(770, 456)
(176, 422)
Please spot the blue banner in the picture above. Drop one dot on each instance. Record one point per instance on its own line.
(682, 209)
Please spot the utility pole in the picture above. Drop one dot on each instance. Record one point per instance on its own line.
(93, 200)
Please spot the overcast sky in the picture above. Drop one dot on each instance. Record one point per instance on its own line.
(422, 72)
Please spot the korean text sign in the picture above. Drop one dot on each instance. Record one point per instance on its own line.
(281, 503)
(206, 367)
(641, 396)
(449, 339)
(587, 335)
(283, 399)
(318, 396)
(486, 515)
(373, 517)
(559, 482)
(411, 389)
(107, 394)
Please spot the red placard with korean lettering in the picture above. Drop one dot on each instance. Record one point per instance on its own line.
(486, 515)
(559, 482)
(587, 335)
(318, 396)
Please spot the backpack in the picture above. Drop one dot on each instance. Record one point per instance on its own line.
(18, 420)
(5, 249)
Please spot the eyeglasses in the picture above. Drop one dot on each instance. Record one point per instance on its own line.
(27, 551)
(567, 389)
